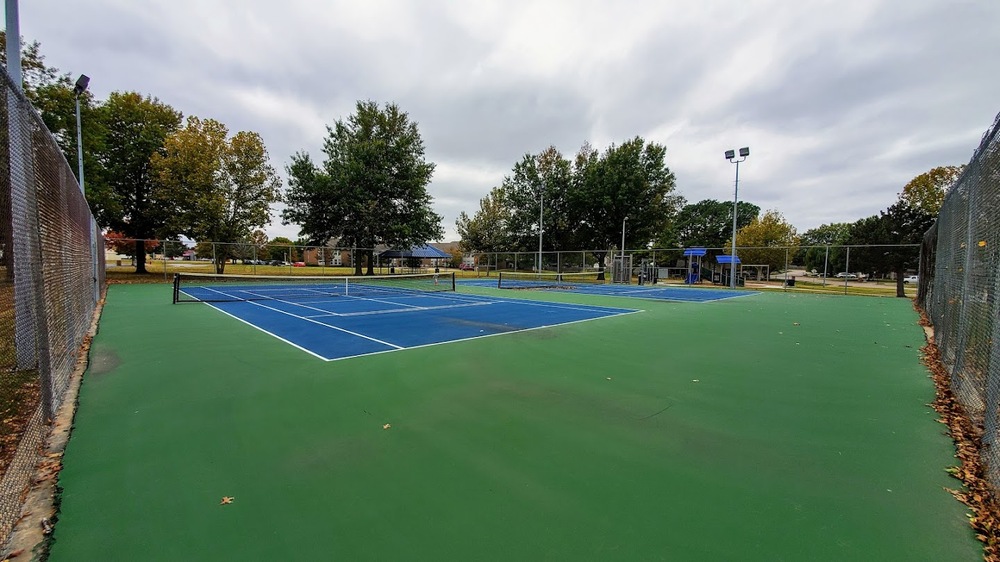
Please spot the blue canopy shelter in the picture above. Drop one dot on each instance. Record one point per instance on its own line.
(731, 261)
(422, 252)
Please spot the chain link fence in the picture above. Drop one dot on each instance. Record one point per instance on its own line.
(959, 287)
(166, 257)
(823, 266)
(51, 275)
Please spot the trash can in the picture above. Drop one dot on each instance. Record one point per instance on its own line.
(790, 282)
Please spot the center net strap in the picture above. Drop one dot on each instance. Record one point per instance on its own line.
(202, 287)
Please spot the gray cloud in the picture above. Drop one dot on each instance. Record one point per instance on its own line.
(841, 102)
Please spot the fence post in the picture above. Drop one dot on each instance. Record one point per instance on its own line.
(847, 268)
(826, 264)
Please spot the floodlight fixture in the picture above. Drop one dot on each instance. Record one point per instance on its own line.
(745, 151)
(730, 154)
(81, 84)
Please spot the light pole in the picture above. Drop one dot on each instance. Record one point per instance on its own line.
(81, 86)
(731, 156)
(541, 212)
(623, 252)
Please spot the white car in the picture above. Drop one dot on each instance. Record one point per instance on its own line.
(911, 279)
(845, 275)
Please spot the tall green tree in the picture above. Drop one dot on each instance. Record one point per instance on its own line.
(487, 230)
(709, 223)
(136, 127)
(537, 188)
(214, 188)
(823, 247)
(926, 192)
(628, 181)
(768, 240)
(884, 236)
(372, 187)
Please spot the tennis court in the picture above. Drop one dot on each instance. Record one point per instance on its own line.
(339, 318)
(778, 427)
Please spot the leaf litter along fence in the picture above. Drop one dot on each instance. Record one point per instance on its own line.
(959, 288)
(51, 275)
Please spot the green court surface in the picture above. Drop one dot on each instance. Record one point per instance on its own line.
(771, 427)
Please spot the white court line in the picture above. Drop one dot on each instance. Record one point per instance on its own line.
(469, 298)
(480, 337)
(398, 310)
(338, 328)
(273, 335)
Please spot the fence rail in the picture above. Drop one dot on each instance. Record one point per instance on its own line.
(961, 257)
(51, 275)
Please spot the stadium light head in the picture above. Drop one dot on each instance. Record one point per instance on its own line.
(730, 154)
(745, 151)
(81, 84)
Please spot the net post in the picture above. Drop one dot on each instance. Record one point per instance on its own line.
(452, 280)
(177, 287)
(500, 280)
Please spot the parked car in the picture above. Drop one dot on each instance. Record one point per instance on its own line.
(466, 266)
(911, 279)
(845, 275)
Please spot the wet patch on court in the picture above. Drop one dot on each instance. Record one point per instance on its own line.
(103, 361)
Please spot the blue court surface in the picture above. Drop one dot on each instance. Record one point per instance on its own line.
(340, 327)
(656, 292)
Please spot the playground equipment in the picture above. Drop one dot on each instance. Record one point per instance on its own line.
(693, 256)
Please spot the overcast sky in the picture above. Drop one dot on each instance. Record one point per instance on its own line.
(841, 102)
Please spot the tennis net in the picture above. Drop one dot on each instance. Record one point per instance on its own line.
(529, 280)
(202, 287)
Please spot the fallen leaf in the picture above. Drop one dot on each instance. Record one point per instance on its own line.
(609, 378)
(386, 426)
(795, 323)
(226, 500)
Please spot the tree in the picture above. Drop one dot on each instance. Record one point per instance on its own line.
(370, 190)
(885, 234)
(488, 229)
(537, 188)
(925, 193)
(121, 195)
(631, 180)
(125, 246)
(709, 223)
(213, 188)
(815, 243)
(456, 256)
(278, 248)
(756, 240)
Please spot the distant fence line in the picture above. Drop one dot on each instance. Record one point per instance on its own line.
(960, 288)
(51, 276)
(826, 260)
